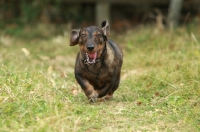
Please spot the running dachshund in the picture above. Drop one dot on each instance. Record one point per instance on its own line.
(98, 64)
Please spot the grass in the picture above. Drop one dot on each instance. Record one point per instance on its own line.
(159, 89)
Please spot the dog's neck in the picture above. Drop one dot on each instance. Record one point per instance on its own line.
(104, 51)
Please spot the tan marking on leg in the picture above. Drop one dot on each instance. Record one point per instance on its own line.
(108, 97)
(91, 94)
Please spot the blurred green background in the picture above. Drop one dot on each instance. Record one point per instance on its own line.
(123, 15)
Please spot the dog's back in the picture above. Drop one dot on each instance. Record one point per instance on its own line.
(117, 50)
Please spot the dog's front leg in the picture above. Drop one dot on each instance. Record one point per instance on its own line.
(91, 94)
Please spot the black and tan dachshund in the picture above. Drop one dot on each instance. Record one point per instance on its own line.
(98, 64)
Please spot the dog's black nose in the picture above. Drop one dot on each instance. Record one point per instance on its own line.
(90, 47)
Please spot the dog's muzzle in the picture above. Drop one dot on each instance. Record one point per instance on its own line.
(90, 58)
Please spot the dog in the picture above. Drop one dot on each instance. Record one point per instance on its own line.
(98, 63)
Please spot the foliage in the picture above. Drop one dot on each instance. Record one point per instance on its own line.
(159, 89)
(24, 12)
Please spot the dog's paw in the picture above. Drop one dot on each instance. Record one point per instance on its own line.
(108, 97)
(93, 97)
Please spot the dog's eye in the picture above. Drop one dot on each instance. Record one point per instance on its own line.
(83, 35)
(98, 35)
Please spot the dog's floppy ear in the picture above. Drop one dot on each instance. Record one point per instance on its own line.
(74, 36)
(106, 28)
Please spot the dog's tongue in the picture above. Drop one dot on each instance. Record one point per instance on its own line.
(92, 55)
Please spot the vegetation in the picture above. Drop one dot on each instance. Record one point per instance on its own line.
(159, 89)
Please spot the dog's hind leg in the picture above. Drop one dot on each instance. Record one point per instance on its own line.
(109, 95)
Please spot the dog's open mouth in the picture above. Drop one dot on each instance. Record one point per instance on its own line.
(90, 58)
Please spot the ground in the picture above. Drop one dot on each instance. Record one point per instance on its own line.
(159, 88)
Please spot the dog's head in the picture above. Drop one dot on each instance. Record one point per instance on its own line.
(91, 41)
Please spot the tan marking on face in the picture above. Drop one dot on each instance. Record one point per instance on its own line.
(83, 32)
(97, 39)
(99, 46)
(96, 33)
(83, 36)
(100, 51)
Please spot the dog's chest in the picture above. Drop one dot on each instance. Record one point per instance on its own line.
(99, 73)
(99, 79)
